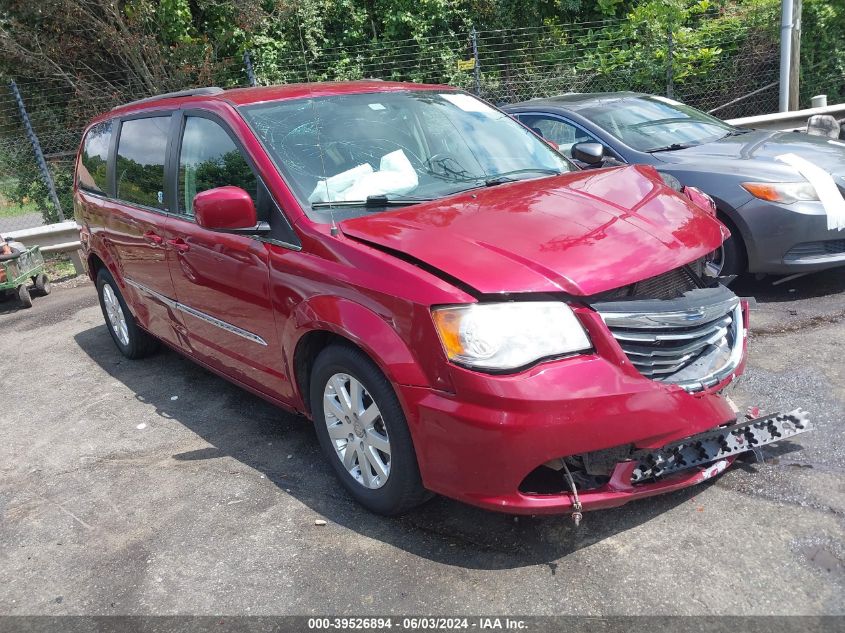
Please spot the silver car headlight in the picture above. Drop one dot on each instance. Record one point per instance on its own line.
(503, 336)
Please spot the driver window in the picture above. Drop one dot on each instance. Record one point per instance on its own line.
(208, 159)
(557, 131)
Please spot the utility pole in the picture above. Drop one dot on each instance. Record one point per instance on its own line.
(36, 147)
(670, 58)
(795, 56)
(250, 72)
(785, 53)
(476, 67)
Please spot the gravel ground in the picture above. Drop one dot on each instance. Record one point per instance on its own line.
(154, 487)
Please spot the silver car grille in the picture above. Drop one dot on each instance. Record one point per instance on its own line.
(809, 250)
(679, 342)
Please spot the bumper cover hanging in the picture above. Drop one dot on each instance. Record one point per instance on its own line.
(716, 444)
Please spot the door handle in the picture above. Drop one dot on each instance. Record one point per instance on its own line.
(153, 238)
(179, 245)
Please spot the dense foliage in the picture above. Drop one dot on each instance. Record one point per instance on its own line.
(823, 50)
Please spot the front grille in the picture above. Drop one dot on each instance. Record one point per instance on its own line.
(695, 341)
(661, 352)
(669, 285)
(809, 250)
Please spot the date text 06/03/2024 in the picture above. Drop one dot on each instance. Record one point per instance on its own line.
(416, 623)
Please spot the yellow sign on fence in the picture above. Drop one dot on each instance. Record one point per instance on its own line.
(466, 64)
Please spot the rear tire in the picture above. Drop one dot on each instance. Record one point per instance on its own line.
(131, 340)
(24, 297)
(381, 432)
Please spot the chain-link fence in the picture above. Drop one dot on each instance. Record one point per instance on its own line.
(727, 64)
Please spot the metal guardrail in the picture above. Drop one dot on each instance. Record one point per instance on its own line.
(62, 237)
(788, 121)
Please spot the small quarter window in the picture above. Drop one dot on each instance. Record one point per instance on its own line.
(139, 169)
(93, 165)
(209, 159)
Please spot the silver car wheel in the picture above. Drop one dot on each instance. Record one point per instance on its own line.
(114, 312)
(357, 430)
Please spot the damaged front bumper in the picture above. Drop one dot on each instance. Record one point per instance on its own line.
(720, 443)
(643, 413)
(643, 473)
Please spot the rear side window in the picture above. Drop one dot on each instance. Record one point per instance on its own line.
(209, 159)
(139, 169)
(95, 154)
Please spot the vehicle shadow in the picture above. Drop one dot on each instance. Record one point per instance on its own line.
(9, 303)
(771, 289)
(284, 448)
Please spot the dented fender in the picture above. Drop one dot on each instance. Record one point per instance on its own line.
(374, 333)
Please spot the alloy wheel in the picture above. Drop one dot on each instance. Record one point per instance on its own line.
(114, 312)
(357, 430)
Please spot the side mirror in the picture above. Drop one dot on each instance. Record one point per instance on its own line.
(590, 153)
(225, 209)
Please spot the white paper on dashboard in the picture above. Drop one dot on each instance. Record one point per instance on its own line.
(395, 175)
(826, 189)
(334, 188)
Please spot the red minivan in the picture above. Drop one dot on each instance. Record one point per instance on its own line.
(457, 307)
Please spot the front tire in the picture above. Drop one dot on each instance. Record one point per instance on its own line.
(132, 341)
(730, 258)
(24, 297)
(363, 432)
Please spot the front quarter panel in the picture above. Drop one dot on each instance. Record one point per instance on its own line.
(378, 302)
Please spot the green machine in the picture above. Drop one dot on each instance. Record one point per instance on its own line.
(18, 269)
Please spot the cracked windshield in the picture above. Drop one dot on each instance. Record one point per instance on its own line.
(367, 152)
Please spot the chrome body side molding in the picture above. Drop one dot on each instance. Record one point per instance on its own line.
(172, 303)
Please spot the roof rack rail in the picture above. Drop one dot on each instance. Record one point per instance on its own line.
(193, 92)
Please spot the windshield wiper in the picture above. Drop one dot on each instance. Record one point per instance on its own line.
(372, 202)
(508, 176)
(736, 132)
(671, 148)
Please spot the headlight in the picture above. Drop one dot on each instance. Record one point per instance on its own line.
(785, 192)
(500, 336)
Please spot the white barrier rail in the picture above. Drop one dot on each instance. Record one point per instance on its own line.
(788, 121)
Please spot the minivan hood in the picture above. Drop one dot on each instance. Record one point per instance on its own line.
(759, 149)
(580, 233)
